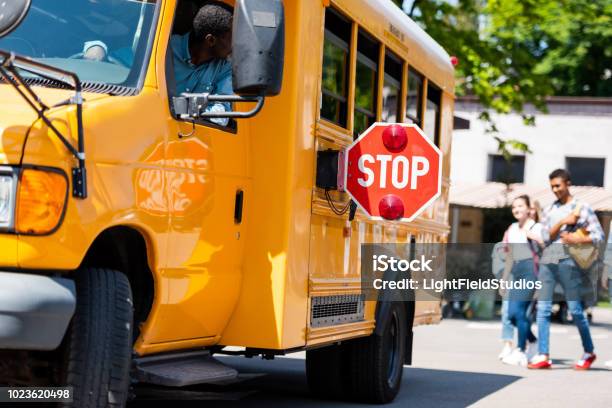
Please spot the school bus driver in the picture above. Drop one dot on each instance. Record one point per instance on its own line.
(138, 238)
(200, 56)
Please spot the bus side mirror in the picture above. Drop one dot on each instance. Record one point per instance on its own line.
(258, 47)
(12, 14)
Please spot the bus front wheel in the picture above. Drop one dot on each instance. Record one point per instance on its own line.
(99, 344)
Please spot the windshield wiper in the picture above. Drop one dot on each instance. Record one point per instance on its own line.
(10, 64)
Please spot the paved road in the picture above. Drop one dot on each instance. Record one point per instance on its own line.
(455, 365)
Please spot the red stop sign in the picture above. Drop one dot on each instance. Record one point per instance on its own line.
(393, 171)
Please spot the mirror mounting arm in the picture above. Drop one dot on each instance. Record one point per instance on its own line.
(192, 106)
(10, 64)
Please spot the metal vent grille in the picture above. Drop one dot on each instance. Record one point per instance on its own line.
(333, 310)
(96, 87)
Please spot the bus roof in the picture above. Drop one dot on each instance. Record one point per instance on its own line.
(402, 35)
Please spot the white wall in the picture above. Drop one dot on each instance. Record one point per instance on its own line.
(554, 137)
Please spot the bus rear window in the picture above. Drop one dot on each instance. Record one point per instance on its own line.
(392, 89)
(334, 85)
(414, 98)
(365, 83)
(432, 113)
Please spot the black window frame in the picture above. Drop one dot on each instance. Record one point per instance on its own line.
(434, 89)
(491, 173)
(366, 60)
(419, 111)
(395, 82)
(575, 174)
(336, 39)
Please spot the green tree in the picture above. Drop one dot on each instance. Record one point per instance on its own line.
(515, 52)
(578, 49)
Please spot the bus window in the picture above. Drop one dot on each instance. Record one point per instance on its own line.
(365, 83)
(414, 97)
(334, 86)
(392, 88)
(432, 113)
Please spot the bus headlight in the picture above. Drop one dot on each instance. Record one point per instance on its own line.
(41, 198)
(7, 199)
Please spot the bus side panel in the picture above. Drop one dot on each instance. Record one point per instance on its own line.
(117, 164)
(272, 309)
(310, 51)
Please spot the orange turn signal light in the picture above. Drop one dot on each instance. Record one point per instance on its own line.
(40, 201)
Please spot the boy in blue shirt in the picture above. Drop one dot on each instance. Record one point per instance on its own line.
(606, 279)
(561, 219)
(201, 62)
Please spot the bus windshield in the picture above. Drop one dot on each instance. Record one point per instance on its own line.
(102, 41)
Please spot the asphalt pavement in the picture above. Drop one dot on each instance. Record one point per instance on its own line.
(455, 365)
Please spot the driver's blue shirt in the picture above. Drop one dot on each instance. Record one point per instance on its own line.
(214, 77)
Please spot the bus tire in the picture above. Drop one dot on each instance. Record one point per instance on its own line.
(325, 371)
(376, 362)
(99, 343)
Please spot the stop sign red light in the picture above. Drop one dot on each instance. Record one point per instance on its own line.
(393, 171)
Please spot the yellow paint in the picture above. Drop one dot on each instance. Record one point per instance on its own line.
(217, 282)
(8, 251)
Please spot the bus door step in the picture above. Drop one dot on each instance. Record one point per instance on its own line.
(182, 369)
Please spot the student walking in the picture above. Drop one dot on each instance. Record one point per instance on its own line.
(606, 277)
(566, 222)
(498, 260)
(523, 243)
(507, 334)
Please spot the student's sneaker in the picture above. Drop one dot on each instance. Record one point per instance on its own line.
(539, 362)
(608, 364)
(585, 362)
(532, 350)
(506, 351)
(517, 358)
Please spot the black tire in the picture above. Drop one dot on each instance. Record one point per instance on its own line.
(367, 369)
(99, 346)
(377, 361)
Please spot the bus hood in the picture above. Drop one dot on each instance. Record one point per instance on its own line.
(17, 117)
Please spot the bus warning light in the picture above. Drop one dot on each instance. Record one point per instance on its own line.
(395, 138)
(391, 207)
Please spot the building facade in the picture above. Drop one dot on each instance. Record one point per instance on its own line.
(576, 135)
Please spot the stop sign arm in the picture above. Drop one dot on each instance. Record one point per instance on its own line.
(392, 171)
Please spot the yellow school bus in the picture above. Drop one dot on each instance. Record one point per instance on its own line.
(138, 238)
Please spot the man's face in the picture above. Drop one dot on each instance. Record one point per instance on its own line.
(559, 187)
(220, 45)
